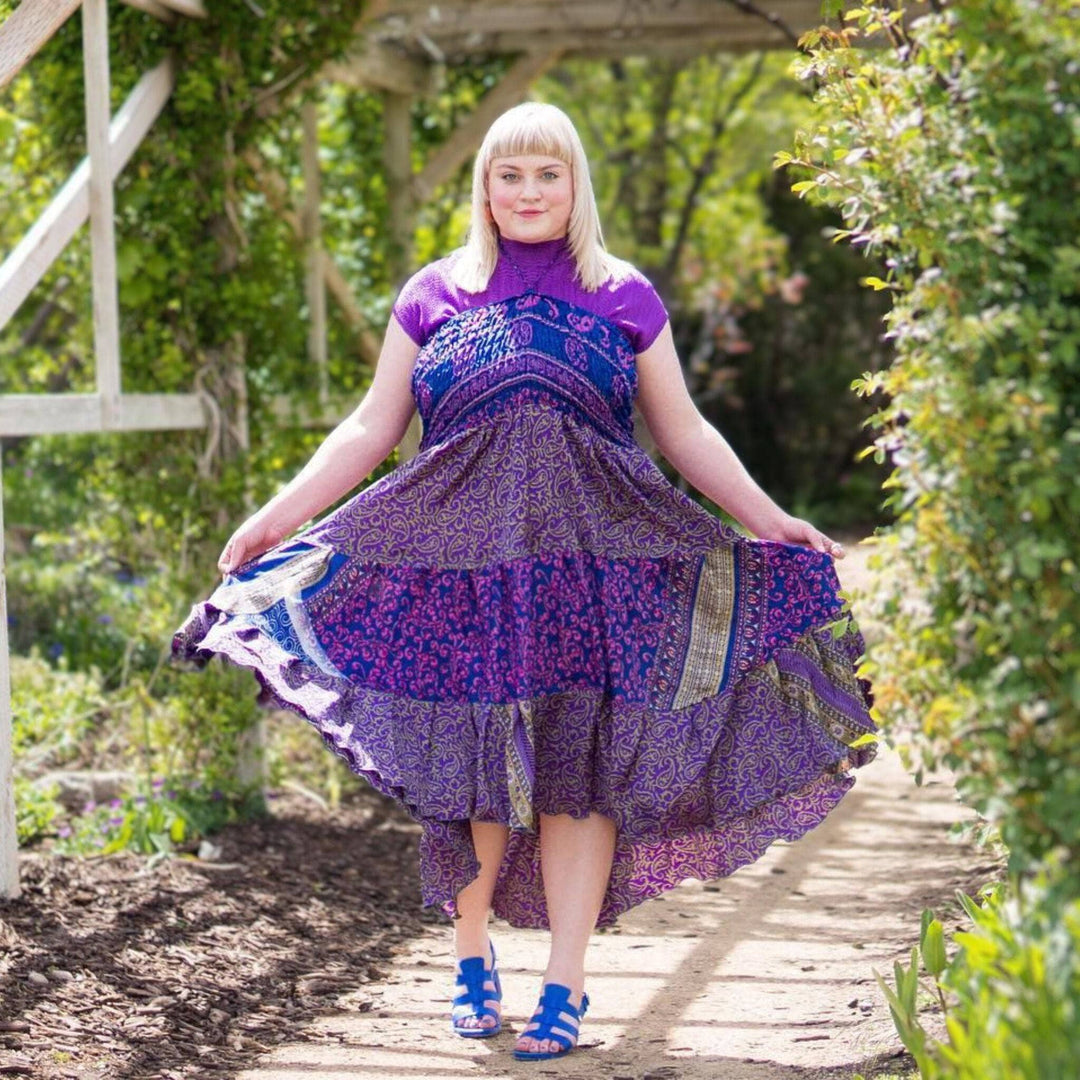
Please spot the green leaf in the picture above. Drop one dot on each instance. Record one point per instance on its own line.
(933, 948)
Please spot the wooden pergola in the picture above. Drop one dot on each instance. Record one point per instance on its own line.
(457, 31)
(400, 44)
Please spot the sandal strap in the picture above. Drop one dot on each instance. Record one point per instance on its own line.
(551, 1013)
(472, 977)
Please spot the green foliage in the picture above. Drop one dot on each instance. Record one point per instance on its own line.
(167, 817)
(773, 358)
(54, 714)
(955, 154)
(91, 616)
(36, 809)
(53, 711)
(189, 729)
(209, 274)
(202, 722)
(1011, 993)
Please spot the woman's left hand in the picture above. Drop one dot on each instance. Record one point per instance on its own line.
(793, 530)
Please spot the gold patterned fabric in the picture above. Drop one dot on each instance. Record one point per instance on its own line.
(260, 593)
(710, 629)
(521, 766)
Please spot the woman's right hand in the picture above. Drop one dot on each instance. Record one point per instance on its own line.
(250, 540)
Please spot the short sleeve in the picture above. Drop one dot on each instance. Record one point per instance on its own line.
(642, 314)
(410, 306)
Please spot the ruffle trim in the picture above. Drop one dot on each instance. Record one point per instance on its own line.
(695, 792)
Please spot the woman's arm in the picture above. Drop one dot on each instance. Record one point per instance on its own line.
(703, 456)
(346, 456)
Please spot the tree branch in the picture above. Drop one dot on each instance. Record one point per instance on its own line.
(747, 7)
(705, 167)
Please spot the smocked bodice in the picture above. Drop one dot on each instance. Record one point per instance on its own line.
(528, 349)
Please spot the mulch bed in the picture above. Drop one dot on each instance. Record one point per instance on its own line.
(113, 968)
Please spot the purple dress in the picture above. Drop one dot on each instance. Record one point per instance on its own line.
(528, 617)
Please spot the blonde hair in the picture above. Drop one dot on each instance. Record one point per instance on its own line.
(536, 128)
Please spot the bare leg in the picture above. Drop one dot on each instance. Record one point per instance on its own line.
(474, 904)
(575, 858)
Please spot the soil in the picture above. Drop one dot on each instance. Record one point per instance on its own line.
(303, 952)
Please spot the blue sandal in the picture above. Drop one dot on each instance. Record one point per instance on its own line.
(472, 1001)
(555, 1019)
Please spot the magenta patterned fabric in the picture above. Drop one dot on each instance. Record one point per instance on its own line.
(528, 618)
(430, 297)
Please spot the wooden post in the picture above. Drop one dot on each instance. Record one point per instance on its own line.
(9, 849)
(397, 165)
(312, 231)
(102, 237)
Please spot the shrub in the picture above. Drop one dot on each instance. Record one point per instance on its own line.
(1010, 994)
(956, 153)
(53, 716)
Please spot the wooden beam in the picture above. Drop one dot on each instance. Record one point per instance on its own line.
(311, 228)
(193, 9)
(370, 65)
(106, 303)
(677, 43)
(26, 29)
(584, 18)
(61, 219)
(53, 414)
(397, 169)
(153, 7)
(161, 412)
(468, 135)
(9, 847)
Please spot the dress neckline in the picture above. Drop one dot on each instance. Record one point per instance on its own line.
(528, 252)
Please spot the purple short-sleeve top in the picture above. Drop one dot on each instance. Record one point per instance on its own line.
(429, 298)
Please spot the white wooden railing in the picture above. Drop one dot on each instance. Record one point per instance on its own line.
(87, 195)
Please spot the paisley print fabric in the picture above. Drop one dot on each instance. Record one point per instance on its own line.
(527, 618)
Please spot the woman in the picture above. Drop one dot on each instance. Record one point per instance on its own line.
(584, 686)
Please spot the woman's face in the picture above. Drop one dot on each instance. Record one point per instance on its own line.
(530, 197)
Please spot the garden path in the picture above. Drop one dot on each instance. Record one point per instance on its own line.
(766, 975)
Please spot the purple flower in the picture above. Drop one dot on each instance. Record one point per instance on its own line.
(157, 783)
(140, 800)
(216, 794)
(170, 794)
(117, 820)
(56, 650)
(116, 802)
(105, 619)
(64, 831)
(89, 806)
